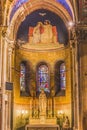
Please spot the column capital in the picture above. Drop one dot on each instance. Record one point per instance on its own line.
(73, 35)
(81, 34)
(10, 48)
(11, 43)
(3, 30)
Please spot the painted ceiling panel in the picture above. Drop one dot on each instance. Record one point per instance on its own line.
(16, 5)
(66, 6)
(19, 3)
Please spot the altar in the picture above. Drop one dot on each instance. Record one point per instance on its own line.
(42, 120)
(42, 127)
(42, 114)
(42, 110)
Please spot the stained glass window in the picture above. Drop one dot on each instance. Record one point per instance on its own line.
(62, 77)
(43, 78)
(22, 77)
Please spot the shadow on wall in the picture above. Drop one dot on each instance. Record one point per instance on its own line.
(21, 128)
(85, 122)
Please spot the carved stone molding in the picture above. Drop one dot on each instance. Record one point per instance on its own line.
(78, 35)
(81, 34)
(73, 38)
(4, 30)
(11, 43)
(42, 127)
(0, 100)
(72, 44)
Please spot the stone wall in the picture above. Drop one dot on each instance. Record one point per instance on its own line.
(62, 103)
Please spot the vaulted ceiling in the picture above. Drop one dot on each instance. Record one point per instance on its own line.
(66, 4)
(79, 7)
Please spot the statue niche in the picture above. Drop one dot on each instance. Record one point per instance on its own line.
(43, 33)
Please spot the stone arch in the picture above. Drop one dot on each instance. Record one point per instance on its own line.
(29, 7)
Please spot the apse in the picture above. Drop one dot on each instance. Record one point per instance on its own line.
(41, 15)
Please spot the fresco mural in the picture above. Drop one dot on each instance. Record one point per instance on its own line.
(48, 25)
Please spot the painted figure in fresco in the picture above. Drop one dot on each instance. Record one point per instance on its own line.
(42, 103)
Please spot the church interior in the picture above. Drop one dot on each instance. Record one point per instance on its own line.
(43, 64)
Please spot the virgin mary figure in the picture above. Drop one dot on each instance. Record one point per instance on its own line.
(42, 103)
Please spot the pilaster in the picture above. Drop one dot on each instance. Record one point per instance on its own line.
(3, 80)
(75, 76)
(9, 92)
(7, 49)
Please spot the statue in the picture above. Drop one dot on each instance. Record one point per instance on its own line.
(42, 103)
(47, 34)
(66, 123)
(43, 33)
(37, 33)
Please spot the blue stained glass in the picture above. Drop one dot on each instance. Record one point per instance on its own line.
(63, 84)
(65, 4)
(43, 78)
(16, 6)
(62, 76)
(22, 77)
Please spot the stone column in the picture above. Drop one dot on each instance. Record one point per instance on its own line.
(10, 52)
(52, 106)
(4, 78)
(1, 47)
(75, 87)
(6, 110)
(73, 83)
(52, 95)
(30, 108)
(8, 48)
